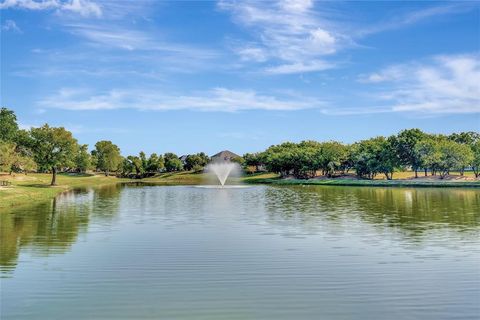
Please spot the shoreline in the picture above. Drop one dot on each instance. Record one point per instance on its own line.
(399, 183)
(34, 188)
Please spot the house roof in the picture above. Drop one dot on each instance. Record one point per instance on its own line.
(224, 155)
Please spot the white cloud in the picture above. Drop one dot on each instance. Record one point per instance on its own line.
(252, 54)
(299, 67)
(447, 84)
(288, 33)
(218, 99)
(84, 8)
(410, 18)
(10, 25)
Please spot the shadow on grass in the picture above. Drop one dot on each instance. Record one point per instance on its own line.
(73, 175)
(37, 185)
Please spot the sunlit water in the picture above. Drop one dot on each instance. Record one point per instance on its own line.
(264, 252)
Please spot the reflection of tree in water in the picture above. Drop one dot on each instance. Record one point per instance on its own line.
(410, 211)
(50, 227)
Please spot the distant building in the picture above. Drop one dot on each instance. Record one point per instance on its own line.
(184, 159)
(224, 155)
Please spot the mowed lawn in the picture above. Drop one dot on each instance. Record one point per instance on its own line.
(35, 187)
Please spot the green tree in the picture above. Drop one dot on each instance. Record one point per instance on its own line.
(137, 164)
(253, 160)
(83, 160)
(172, 162)
(476, 158)
(196, 162)
(8, 125)
(107, 156)
(7, 156)
(453, 155)
(469, 138)
(376, 155)
(53, 148)
(405, 144)
(428, 153)
(155, 163)
(331, 156)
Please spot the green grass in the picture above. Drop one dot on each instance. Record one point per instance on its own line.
(369, 183)
(35, 188)
(178, 178)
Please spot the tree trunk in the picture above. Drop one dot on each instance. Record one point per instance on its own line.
(54, 176)
(462, 170)
(416, 173)
(106, 173)
(425, 172)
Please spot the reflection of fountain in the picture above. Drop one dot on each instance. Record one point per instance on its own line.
(222, 170)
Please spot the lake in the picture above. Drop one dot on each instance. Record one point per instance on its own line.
(261, 252)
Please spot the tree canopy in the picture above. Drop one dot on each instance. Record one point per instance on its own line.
(53, 148)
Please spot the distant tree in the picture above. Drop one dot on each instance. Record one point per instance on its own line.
(330, 157)
(53, 148)
(475, 164)
(376, 155)
(428, 153)
(453, 155)
(137, 165)
(155, 163)
(8, 125)
(405, 145)
(126, 167)
(7, 156)
(143, 159)
(196, 162)
(107, 156)
(83, 160)
(253, 160)
(172, 162)
(469, 138)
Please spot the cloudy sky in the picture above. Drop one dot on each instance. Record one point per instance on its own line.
(241, 75)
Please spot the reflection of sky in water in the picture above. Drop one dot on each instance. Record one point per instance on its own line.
(257, 252)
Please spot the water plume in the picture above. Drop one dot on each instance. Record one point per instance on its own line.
(222, 170)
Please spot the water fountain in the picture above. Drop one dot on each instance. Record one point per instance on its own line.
(222, 170)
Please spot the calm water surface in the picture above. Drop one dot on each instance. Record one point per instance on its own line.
(265, 252)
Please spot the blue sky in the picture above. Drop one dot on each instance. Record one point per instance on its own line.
(205, 76)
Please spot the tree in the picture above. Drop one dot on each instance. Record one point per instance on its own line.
(428, 153)
(83, 160)
(7, 156)
(453, 155)
(469, 138)
(155, 163)
(253, 160)
(137, 164)
(107, 156)
(53, 148)
(331, 156)
(8, 125)
(376, 155)
(405, 145)
(196, 162)
(476, 158)
(172, 162)
(143, 159)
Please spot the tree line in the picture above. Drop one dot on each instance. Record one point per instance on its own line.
(53, 149)
(410, 149)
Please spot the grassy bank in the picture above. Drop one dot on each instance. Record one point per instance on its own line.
(34, 188)
(370, 183)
